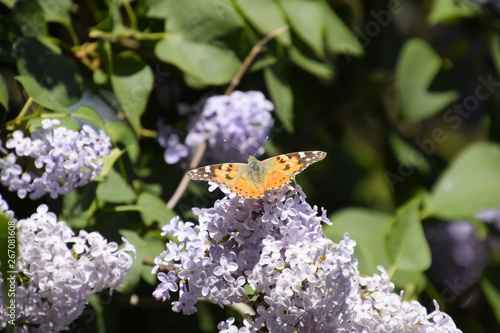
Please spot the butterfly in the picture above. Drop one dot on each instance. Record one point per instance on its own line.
(255, 178)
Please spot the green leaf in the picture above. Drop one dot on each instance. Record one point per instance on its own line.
(266, 16)
(491, 290)
(123, 134)
(314, 67)
(446, 10)
(471, 183)
(157, 9)
(306, 19)
(413, 283)
(78, 207)
(212, 65)
(153, 247)
(407, 155)
(8, 3)
(417, 66)
(147, 248)
(55, 74)
(153, 209)
(495, 50)
(109, 162)
(406, 244)
(367, 227)
(41, 95)
(67, 122)
(202, 20)
(115, 189)
(134, 275)
(282, 96)
(4, 93)
(115, 16)
(57, 11)
(98, 312)
(88, 116)
(339, 38)
(132, 82)
(29, 17)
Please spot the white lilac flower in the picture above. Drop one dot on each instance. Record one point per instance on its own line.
(58, 271)
(53, 160)
(273, 255)
(242, 118)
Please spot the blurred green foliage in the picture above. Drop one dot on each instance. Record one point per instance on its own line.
(403, 95)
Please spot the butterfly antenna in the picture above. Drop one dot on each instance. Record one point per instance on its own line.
(262, 144)
(238, 149)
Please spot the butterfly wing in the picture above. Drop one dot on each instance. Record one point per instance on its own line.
(245, 180)
(282, 169)
(232, 175)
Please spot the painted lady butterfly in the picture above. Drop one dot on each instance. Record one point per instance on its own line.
(255, 178)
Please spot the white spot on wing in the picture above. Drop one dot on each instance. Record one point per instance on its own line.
(207, 169)
(302, 154)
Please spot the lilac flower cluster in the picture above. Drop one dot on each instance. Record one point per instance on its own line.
(58, 271)
(377, 309)
(242, 118)
(272, 255)
(52, 160)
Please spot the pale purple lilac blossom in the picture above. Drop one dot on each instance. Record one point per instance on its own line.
(297, 279)
(242, 118)
(60, 270)
(53, 160)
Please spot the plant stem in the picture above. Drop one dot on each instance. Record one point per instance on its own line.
(251, 56)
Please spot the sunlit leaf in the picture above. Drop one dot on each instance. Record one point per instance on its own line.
(57, 11)
(40, 95)
(446, 10)
(123, 135)
(406, 244)
(4, 94)
(153, 209)
(471, 183)
(8, 3)
(367, 227)
(88, 115)
(209, 63)
(312, 66)
(339, 38)
(54, 74)
(132, 82)
(115, 189)
(267, 16)
(417, 66)
(202, 20)
(306, 19)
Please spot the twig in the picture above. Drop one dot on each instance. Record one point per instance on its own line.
(198, 154)
(251, 56)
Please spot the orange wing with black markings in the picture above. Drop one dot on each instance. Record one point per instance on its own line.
(252, 180)
(282, 169)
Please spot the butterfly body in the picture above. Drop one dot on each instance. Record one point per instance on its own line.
(255, 178)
